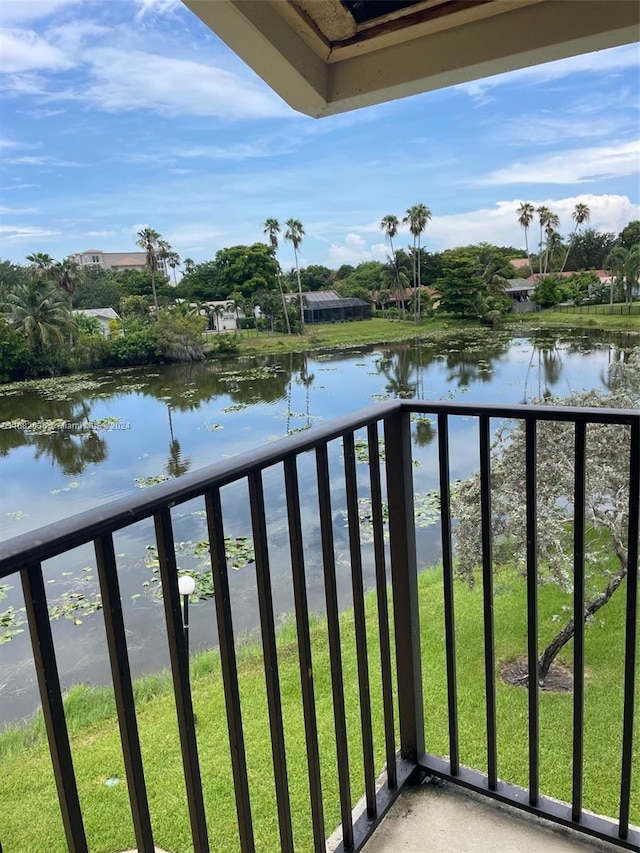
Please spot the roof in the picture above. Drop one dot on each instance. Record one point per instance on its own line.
(107, 313)
(330, 56)
(518, 263)
(515, 285)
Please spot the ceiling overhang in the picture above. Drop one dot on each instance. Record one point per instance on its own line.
(330, 56)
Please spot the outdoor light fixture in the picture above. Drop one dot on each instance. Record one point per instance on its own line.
(186, 586)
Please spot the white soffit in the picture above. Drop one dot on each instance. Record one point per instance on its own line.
(321, 62)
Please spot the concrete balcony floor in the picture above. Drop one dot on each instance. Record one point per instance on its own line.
(442, 818)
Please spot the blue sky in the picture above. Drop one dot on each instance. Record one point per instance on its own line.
(129, 113)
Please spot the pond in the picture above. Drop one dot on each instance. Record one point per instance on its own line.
(70, 443)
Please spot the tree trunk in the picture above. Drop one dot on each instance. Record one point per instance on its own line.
(419, 314)
(299, 292)
(284, 305)
(567, 632)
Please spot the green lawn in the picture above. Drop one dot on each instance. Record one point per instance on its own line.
(380, 330)
(28, 805)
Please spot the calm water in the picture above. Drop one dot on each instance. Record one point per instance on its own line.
(126, 428)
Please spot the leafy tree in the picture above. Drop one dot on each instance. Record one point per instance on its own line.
(625, 267)
(135, 306)
(147, 239)
(630, 235)
(180, 334)
(460, 285)
(606, 502)
(294, 234)
(365, 279)
(98, 288)
(16, 360)
(245, 270)
(10, 276)
(549, 291)
(152, 286)
(589, 249)
(580, 215)
(316, 277)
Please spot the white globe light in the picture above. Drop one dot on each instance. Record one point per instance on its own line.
(186, 585)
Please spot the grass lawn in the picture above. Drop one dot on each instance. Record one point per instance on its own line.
(380, 330)
(30, 819)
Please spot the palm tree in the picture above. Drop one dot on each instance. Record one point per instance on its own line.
(173, 260)
(189, 266)
(41, 264)
(543, 217)
(39, 311)
(616, 262)
(294, 234)
(149, 240)
(580, 215)
(390, 224)
(272, 229)
(68, 275)
(417, 218)
(552, 223)
(526, 213)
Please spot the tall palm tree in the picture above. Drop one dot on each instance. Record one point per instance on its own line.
(189, 266)
(148, 239)
(173, 260)
(580, 215)
(41, 264)
(526, 212)
(390, 224)
(294, 234)
(39, 311)
(625, 267)
(68, 275)
(272, 229)
(543, 218)
(551, 225)
(417, 218)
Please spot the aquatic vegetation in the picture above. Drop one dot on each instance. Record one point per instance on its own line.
(145, 482)
(237, 407)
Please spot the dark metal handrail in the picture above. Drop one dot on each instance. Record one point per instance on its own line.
(25, 554)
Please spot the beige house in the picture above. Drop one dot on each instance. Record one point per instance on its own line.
(115, 260)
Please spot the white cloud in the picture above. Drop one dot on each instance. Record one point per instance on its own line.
(21, 11)
(134, 80)
(576, 166)
(603, 62)
(159, 7)
(354, 250)
(499, 224)
(15, 233)
(24, 50)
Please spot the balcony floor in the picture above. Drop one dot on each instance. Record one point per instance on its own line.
(443, 818)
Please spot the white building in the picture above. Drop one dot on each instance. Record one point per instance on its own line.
(102, 315)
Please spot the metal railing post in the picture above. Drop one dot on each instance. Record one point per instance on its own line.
(404, 577)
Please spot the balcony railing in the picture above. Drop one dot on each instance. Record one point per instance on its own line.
(400, 637)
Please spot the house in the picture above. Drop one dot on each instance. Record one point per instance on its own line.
(98, 259)
(327, 306)
(520, 292)
(222, 316)
(103, 315)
